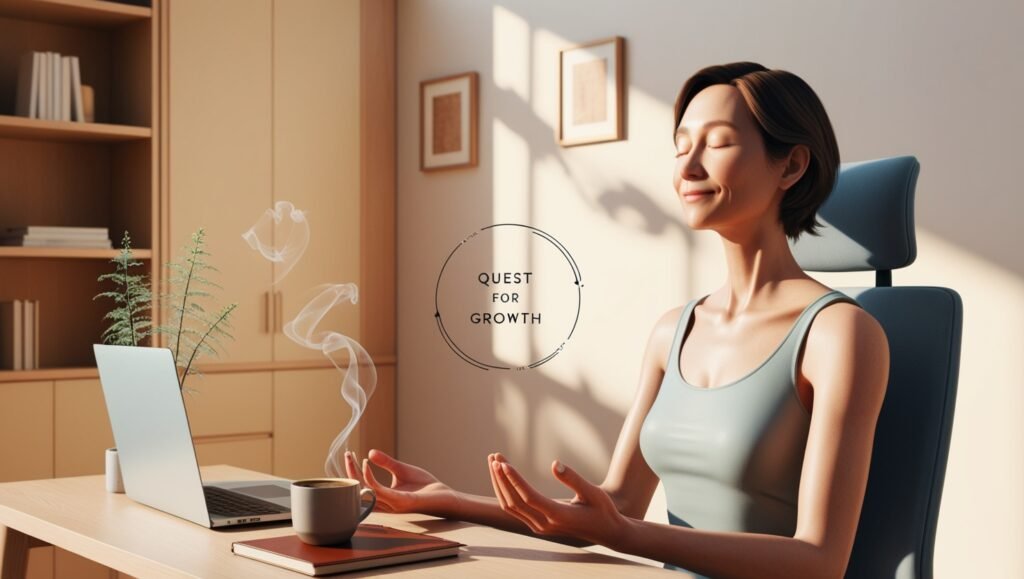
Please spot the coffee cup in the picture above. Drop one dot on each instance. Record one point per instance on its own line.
(326, 511)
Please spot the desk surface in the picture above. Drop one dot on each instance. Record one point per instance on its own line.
(78, 514)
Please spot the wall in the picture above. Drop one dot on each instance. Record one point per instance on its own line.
(935, 79)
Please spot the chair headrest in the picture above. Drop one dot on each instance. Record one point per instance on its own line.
(868, 220)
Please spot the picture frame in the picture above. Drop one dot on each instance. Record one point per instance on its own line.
(448, 122)
(591, 92)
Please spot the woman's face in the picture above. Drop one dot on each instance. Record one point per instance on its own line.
(723, 175)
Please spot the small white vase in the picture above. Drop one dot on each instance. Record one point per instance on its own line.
(113, 471)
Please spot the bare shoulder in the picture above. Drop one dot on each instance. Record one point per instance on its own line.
(846, 349)
(662, 334)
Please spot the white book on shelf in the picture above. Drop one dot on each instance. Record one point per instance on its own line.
(44, 85)
(28, 332)
(11, 335)
(65, 243)
(78, 111)
(54, 86)
(65, 88)
(28, 86)
(55, 231)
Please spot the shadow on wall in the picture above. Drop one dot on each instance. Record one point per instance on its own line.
(628, 207)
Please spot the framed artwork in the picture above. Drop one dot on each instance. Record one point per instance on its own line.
(591, 92)
(448, 122)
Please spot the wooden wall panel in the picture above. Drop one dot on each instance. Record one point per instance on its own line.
(378, 257)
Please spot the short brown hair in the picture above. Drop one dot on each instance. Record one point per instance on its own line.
(788, 113)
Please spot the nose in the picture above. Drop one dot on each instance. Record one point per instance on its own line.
(692, 168)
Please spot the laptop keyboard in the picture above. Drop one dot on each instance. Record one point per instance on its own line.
(228, 504)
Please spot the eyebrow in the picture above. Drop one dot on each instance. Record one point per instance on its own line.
(684, 130)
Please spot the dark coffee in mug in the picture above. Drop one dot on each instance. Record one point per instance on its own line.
(323, 484)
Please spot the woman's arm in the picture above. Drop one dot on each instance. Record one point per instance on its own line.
(630, 483)
(847, 362)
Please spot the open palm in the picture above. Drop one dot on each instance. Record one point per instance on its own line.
(412, 489)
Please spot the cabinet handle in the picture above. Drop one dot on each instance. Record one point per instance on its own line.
(267, 315)
(278, 309)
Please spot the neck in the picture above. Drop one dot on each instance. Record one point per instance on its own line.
(759, 261)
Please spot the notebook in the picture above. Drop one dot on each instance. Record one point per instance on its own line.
(371, 546)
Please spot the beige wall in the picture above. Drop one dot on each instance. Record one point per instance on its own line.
(937, 80)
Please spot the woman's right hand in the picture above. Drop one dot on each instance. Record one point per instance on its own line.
(412, 490)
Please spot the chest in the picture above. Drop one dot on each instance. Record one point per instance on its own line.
(716, 354)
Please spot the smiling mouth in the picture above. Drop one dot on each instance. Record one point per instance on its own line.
(696, 194)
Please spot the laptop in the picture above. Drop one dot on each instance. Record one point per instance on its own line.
(154, 446)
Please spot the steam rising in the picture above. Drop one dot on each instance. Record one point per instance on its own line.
(359, 375)
(347, 355)
(295, 233)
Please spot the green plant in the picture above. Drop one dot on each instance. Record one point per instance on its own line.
(191, 331)
(130, 319)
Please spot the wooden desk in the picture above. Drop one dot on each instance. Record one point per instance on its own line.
(78, 514)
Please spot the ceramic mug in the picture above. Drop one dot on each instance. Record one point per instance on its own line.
(326, 511)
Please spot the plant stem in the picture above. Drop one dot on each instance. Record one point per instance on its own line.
(195, 350)
(128, 296)
(184, 300)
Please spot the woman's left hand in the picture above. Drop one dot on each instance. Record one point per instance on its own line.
(591, 515)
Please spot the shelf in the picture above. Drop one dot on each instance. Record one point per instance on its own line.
(92, 13)
(48, 374)
(38, 129)
(70, 253)
(84, 373)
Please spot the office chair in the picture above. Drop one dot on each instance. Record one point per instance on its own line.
(869, 225)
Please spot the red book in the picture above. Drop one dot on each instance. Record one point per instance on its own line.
(371, 546)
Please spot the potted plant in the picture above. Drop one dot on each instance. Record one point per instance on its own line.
(191, 330)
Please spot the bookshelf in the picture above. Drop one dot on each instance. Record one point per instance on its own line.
(61, 173)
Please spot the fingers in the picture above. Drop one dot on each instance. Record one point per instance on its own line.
(352, 469)
(494, 481)
(518, 495)
(583, 488)
(388, 463)
(388, 499)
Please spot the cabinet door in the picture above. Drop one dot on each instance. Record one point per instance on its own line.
(316, 154)
(26, 448)
(308, 413)
(81, 428)
(26, 430)
(81, 435)
(220, 157)
(231, 418)
(253, 453)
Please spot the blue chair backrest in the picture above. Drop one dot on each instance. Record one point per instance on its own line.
(869, 225)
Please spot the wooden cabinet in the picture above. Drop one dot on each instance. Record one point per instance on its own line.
(271, 116)
(26, 448)
(81, 435)
(219, 160)
(26, 430)
(81, 428)
(316, 63)
(231, 418)
(308, 413)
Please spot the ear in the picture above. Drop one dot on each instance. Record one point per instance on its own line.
(794, 166)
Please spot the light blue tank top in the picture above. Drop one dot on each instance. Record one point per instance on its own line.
(730, 456)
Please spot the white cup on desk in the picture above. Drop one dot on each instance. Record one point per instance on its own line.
(326, 511)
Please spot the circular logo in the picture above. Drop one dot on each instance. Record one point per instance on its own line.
(508, 297)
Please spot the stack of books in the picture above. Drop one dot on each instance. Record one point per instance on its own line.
(36, 236)
(50, 87)
(19, 335)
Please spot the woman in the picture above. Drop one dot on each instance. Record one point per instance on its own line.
(759, 423)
